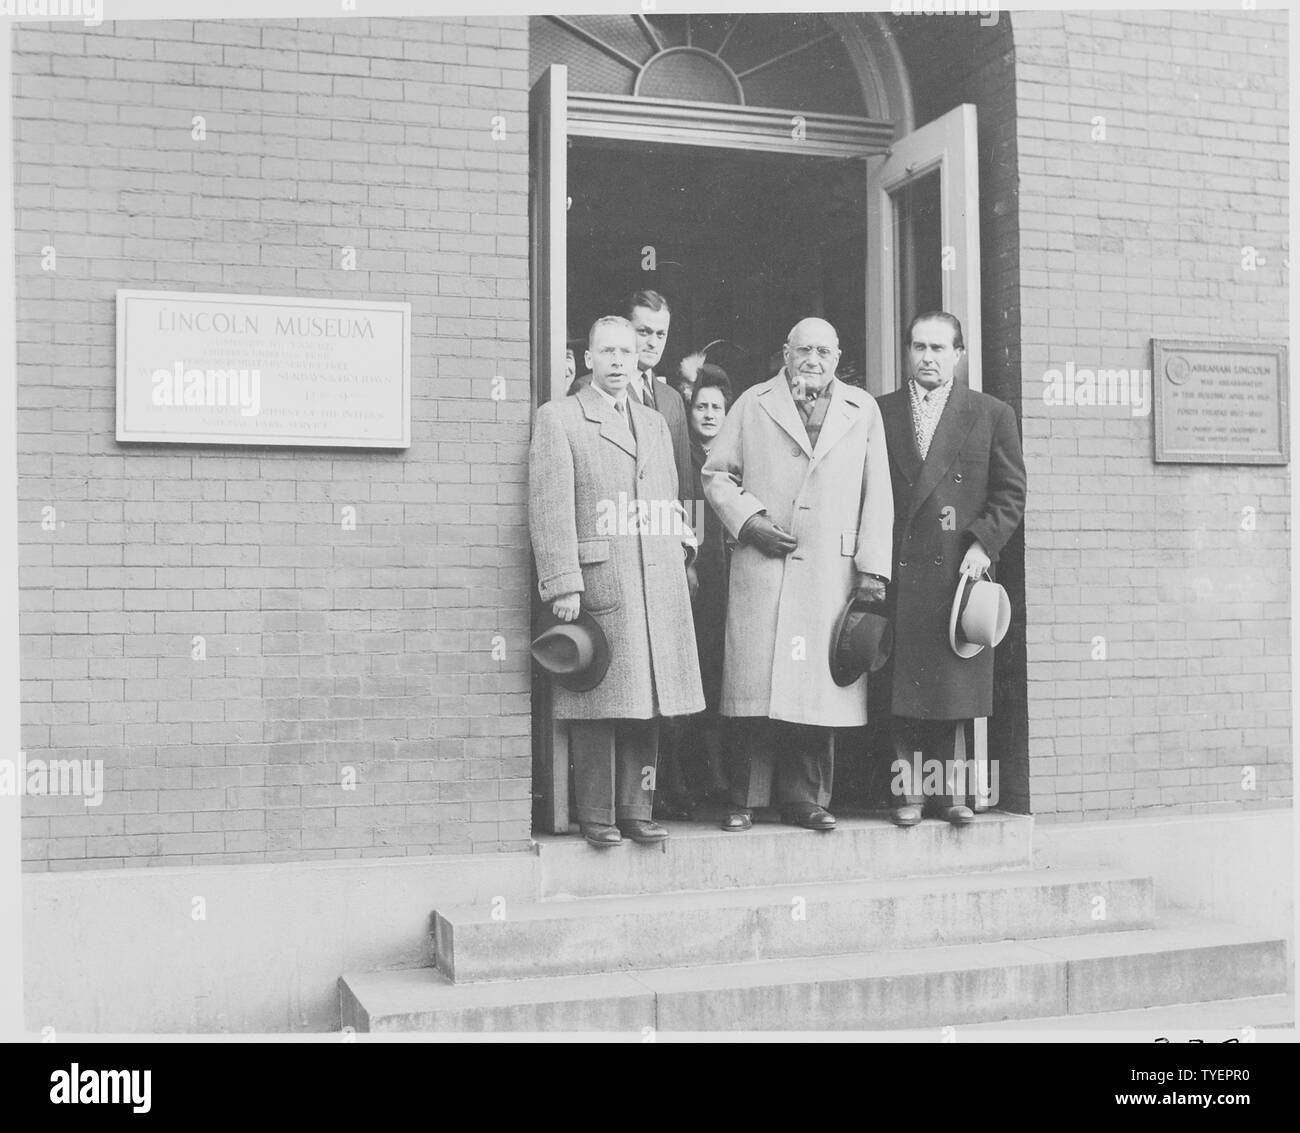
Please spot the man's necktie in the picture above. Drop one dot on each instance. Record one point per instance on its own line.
(807, 403)
(648, 390)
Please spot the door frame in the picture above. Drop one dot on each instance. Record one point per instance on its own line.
(555, 115)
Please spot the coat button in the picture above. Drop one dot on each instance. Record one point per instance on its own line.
(642, 476)
(902, 562)
(938, 560)
(795, 451)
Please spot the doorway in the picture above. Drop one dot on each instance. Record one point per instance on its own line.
(742, 245)
(746, 218)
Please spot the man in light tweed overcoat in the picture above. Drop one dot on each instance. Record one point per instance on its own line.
(610, 538)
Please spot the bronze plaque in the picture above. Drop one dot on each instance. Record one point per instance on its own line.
(1220, 402)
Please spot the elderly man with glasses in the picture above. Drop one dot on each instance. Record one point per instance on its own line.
(799, 475)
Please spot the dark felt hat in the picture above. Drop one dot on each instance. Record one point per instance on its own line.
(861, 641)
(575, 653)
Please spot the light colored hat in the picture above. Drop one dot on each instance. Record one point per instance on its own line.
(981, 615)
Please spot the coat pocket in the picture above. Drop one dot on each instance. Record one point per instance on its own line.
(600, 591)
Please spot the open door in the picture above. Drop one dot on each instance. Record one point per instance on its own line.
(923, 253)
(547, 204)
(923, 246)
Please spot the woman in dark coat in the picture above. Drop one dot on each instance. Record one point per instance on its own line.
(709, 401)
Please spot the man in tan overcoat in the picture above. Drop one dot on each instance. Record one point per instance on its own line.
(610, 537)
(800, 476)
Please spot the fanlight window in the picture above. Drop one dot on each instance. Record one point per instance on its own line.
(792, 62)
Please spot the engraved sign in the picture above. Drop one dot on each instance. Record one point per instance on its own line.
(262, 370)
(1220, 402)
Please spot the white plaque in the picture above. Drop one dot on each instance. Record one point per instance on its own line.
(262, 370)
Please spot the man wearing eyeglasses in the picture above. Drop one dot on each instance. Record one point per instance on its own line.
(800, 476)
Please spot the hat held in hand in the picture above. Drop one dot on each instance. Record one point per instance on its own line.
(575, 653)
(860, 642)
(981, 615)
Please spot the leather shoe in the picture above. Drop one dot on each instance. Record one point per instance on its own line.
(957, 815)
(642, 830)
(818, 818)
(740, 819)
(600, 835)
(905, 815)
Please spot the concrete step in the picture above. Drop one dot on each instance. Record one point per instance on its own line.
(1262, 1018)
(700, 856)
(665, 930)
(951, 985)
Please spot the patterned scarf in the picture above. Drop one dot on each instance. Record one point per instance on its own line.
(927, 408)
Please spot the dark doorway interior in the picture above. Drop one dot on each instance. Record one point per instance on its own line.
(743, 245)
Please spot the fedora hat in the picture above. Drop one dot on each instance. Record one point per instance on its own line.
(860, 642)
(575, 653)
(981, 613)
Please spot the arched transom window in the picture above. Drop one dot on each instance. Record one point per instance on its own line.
(789, 61)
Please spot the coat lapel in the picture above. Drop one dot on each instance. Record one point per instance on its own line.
(612, 426)
(843, 411)
(955, 422)
(774, 397)
(643, 418)
(899, 437)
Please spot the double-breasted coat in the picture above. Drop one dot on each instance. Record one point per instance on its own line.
(606, 522)
(971, 485)
(836, 501)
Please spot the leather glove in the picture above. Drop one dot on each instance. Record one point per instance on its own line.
(869, 589)
(773, 540)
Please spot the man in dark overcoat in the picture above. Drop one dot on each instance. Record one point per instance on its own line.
(650, 316)
(959, 494)
(611, 538)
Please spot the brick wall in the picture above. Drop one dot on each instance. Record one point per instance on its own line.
(1136, 236)
(326, 649)
(371, 650)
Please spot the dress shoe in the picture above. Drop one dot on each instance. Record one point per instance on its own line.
(642, 830)
(600, 835)
(739, 819)
(818, 818)
(957, 815)
(905, 815)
